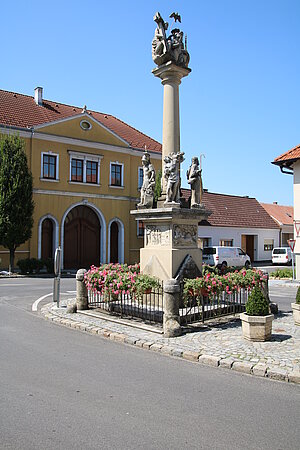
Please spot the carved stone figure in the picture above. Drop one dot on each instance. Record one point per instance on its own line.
(169, 48)
(147, 190)
(194, 178)
(172, 176)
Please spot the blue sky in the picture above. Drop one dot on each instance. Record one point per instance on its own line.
(240, 105)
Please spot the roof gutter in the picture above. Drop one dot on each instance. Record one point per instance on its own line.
(285, 167)
(286, 171)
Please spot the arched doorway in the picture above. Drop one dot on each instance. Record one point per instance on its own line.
(81, 238)
(114, 242)
(47, 239)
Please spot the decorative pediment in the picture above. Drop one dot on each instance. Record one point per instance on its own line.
(84, 127)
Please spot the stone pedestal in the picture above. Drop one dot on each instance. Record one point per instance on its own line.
(170, 75)
(171, 241)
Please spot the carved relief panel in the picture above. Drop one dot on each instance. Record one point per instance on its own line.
(185, 235)
(157, 235)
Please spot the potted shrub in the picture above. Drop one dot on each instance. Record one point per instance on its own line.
(296, 308)
(257, 320)
(144, 284)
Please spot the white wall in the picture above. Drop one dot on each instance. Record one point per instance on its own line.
(296, 168)
(217, 233)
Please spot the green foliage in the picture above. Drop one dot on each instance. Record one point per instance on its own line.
(49, 264)
(298, 296)
(144, 284)
(282, 273)
(217, 270)
(257, 305)
(157, 189)
(30, 265)
(16, 203)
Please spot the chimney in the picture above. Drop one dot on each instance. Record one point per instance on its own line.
(38, 95)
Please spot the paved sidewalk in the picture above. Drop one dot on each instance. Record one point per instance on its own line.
(219, 344)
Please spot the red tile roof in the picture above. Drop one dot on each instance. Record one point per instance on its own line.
(282, 214)
(288, 157)
(19, 110)
(234, 211)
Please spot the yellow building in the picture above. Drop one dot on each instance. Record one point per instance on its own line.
(87, 172)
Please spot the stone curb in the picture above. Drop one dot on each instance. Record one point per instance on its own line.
(259, 370)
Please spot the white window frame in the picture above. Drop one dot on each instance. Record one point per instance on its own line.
(85, 157)
(82, 127)
(50, 153)
(227, 240)
(267, 243)
(201, 241)
(140, 168)
(122, 175)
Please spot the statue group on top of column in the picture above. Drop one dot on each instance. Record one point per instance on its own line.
(171, 176)
(147, 189)
(194, 179)
(171, 48)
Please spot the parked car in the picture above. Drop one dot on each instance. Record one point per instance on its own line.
(226, 256)
(282, 255)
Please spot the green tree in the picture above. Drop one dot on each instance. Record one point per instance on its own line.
(16, 203)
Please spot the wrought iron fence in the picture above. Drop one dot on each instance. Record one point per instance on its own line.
(200, 309)
(148, 307)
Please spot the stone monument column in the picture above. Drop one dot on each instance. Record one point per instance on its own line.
(170, 75)
(171, 231)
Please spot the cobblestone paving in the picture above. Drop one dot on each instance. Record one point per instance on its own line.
(218, 345)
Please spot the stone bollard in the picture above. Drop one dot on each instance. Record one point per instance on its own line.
(81, 291)
(265, 287)
(171, 319)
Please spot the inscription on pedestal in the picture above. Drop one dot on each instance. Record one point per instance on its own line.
(185, 235)
(157, 235)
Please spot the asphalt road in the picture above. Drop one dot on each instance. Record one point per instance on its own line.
(63, 389)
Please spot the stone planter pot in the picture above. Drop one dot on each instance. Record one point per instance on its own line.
(257, 328)
(296, 313)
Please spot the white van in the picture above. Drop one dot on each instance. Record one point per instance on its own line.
(226, 256)
(281, 255)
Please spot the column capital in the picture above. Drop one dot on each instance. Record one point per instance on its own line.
(170, 72)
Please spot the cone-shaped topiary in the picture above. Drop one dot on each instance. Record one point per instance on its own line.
(298, 296)
(257, 305)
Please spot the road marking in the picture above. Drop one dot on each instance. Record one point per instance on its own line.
(13, 284)
(35, 304)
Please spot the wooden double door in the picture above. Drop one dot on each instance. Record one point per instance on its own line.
(81, 238)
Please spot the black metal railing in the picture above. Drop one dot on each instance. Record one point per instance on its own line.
(202, 308)
(148, 307)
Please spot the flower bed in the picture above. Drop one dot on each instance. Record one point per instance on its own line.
(112, 280)
(212, 284)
